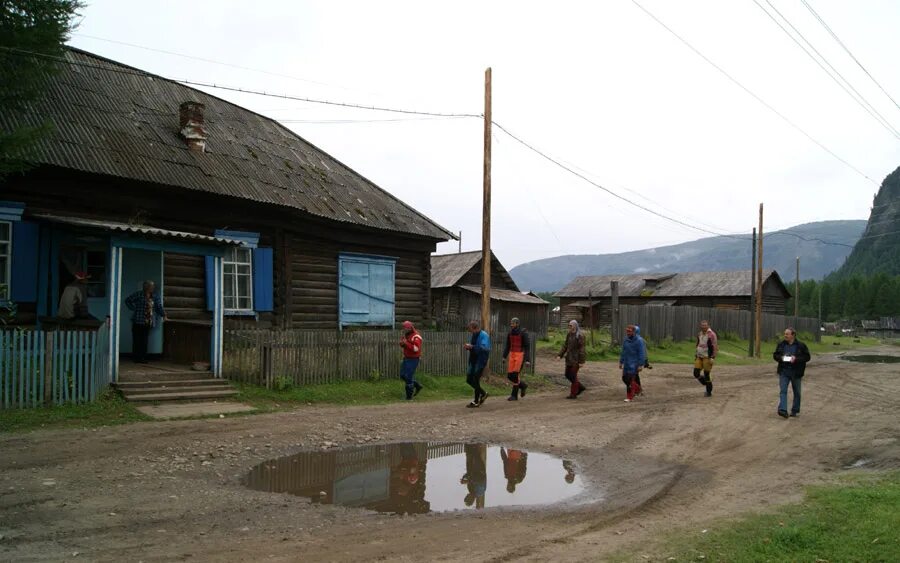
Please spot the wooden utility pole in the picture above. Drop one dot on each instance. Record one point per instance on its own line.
(752, 297)
(759, 283)
(797, 293)
(614, 305)
(486, 211)
(460, 243)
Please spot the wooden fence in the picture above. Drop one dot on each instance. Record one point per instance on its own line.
(305, 357)
(42, 368)
(681, 323)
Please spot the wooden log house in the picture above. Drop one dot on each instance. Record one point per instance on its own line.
(239, 220)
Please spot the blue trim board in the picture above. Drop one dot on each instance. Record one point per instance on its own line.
(250, 239)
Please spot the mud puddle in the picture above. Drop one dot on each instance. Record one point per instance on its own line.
(872, 359)
(420, 477)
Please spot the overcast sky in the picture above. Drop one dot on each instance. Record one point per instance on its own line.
(598, 85)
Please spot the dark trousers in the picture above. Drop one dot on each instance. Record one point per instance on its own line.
(408, 374)
(473, 378)
(140, 335)
(572, 376)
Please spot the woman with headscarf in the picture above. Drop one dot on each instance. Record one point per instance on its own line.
(573, 352)
(411, 342)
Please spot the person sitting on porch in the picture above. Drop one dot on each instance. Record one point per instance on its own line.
(73, 303)
(146, 305)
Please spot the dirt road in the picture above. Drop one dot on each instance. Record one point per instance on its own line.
(673, 459)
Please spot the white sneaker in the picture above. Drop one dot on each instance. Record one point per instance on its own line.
(627, 400)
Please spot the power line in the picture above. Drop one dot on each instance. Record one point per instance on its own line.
(841, 43)
(21, 52)
(205, 60)
(751, 93)
(605, 189)
(858, 98)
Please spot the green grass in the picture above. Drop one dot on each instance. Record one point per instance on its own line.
(381, 391)
(109, 410)
(854, 521)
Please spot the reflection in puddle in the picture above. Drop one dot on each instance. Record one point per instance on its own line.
(392, 477)
(872, 358)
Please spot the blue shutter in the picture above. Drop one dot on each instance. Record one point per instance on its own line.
(263, 282)
(366, 291)
(210, 283)
(381, 291)
(354, 292)
(23, 285)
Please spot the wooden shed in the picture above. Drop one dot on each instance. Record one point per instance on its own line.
(238, 219)
(456, 294)
(587, 298)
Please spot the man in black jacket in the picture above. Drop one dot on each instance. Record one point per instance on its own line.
(791, 355)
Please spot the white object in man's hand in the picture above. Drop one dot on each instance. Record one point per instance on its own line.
(789, 359)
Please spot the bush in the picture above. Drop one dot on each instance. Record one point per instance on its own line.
(282, 383)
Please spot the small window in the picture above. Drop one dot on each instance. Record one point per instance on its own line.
(238, 283)
(96, 266)
(5, 257)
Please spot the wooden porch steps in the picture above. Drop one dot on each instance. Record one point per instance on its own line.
(154, 384)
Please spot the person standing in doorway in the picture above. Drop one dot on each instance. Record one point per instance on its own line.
(707, 350)
(631, 362)
(573, 352)
(792, 356)
(479, 348)
(411, 342)
(146, 306)
(73, 303)
(516, 354)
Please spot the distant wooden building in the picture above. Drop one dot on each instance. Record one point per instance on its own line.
(456, 294)
(587, 298)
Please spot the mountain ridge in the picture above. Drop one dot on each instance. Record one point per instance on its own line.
(822, 246)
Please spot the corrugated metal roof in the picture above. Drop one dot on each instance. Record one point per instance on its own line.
(112, 119)
(686, 284)
(507, 295)
(136, 229)
(447, 269)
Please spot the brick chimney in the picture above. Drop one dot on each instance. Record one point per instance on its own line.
(191, 122)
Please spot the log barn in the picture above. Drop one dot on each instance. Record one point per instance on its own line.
(588, 298)
(239, 220)
(456, 295)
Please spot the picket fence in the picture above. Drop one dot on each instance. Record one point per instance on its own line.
(680, 323)
(304, 357)
(43, 368)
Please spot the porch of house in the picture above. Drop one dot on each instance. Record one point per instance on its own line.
(169, 381)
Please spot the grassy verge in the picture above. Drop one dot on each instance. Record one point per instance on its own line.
(381, 391)
(109, 410)
(855, 521)
(732, 351)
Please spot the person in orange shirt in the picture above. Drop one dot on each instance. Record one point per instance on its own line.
(516, 354)
(515, 464)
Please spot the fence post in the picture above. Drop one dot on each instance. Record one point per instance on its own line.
(48, 370)
(614, 305)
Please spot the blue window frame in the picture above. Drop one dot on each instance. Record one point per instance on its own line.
(366, 290)
(248, 274)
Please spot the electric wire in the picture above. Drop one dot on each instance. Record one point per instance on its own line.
(858, 98)
(766, 104)
(841, 43)
(427, 114)
(134, 72)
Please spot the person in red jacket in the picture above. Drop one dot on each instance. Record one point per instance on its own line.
(516, 354)
(411, 342)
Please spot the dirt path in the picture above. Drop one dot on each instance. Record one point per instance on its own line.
(168, 491)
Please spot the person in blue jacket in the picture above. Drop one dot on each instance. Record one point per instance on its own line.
(631, 361)
(479, 348)
(637, 378)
